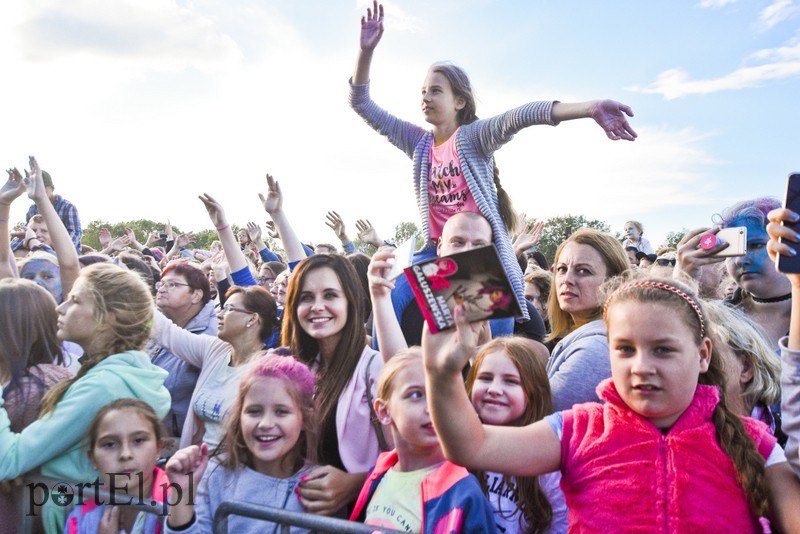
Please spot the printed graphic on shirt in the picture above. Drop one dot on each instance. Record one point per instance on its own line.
(448, 192)
(389, 517)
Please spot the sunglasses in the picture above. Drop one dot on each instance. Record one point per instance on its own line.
(664, 262)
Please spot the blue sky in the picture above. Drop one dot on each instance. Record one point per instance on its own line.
(138, 106)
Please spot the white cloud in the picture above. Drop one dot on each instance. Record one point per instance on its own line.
(154, 30)
(779, 63)
(714, 4)
(776, 13)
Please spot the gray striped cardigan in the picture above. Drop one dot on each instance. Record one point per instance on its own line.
(476, 144)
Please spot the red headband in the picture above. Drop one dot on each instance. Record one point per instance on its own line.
(665, 287)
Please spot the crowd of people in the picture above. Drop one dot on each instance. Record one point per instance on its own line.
(639, 389)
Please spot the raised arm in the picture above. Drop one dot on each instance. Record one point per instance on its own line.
(608, 114)
(11, 190)
(790, 347)
(336, 223)
(691, 256)
(387, 328)
(234, 254)
(273, 204)
(368, 234)
(62, 242)
(520, 451)
(371, 32)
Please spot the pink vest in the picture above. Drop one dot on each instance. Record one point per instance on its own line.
(621, 474)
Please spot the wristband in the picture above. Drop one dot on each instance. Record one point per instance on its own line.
(223, 227)
(3, 219)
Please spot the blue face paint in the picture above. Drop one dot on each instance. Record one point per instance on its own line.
(755, 271)
(46, 274)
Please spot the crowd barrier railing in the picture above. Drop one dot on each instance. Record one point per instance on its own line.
(286, 518)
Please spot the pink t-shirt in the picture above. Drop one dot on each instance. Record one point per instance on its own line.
(448, 192)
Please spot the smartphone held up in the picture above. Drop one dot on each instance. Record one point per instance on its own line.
(791, 264)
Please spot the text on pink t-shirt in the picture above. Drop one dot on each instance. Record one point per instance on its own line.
(448, 192)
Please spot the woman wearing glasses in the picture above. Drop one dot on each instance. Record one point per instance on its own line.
(245, 323)
(184, 296)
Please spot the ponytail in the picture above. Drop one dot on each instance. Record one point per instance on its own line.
(507, 212)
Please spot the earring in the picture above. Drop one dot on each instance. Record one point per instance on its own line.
(249, 325)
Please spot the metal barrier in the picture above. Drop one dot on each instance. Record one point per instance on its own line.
(286, 519)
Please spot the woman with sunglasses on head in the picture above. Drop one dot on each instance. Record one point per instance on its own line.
(245, 323)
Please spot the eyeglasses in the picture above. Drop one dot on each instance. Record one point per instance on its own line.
(230, 307)
(264, 279)
(169, 285)
(664, 262)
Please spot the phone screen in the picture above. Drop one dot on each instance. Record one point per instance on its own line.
(791, 264)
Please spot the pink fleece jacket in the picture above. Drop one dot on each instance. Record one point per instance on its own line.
(621, 474)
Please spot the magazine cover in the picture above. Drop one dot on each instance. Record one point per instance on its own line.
(475, 278)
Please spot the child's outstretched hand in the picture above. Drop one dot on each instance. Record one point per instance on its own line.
(610, 116)
(372, 27)
(186, 467)
(446, 353)
(776, 230)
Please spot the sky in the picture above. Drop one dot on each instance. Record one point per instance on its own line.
(136, 107)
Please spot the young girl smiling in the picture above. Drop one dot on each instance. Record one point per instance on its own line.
(264, 454)
(663, 450)
(413, 488)
(508, 386)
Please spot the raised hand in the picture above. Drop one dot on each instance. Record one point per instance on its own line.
(131, 235)
(185, 469)
(191, 460)
(13, 188)
(215, 211)
(377, 272)
(119, 243)
(34, 181)
(104, 237)
(777, 230)
(271, 230)
(184, 239)
(372, 27)
(169, 232)
(367, 233)
(273, 202)
(449, 351)
(152, 237)
(336, 224)
(691, 256)
(610, 116)
(528, 237)
(254, 231)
